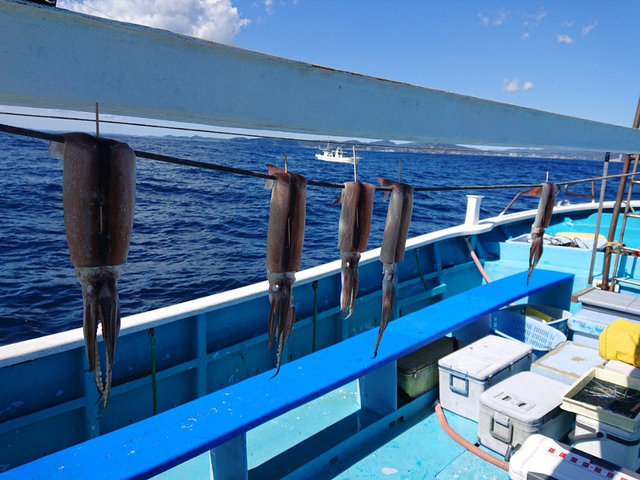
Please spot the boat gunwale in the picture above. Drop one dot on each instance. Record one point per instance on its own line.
(39, 347)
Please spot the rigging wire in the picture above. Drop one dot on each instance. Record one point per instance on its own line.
(25, 132)
(91, 7)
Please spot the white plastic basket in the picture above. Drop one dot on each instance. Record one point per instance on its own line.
(539, 335)
(554, 317)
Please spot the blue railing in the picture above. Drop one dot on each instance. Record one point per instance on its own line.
(218, 422)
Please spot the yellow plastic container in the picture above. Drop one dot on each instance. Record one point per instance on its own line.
(621, 341)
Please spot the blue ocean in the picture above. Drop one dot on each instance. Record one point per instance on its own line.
(198, 232)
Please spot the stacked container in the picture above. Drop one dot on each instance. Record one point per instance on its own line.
(601, 432)
(466, 373)
(608, 442)
(520, 406)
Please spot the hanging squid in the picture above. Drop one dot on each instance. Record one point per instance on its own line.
(98, 186)
(393, 243)
(542, 220)
(285, 236)
(353, 235)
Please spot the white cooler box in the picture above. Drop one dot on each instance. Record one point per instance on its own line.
(542, 458)
(608, 442)
(466, 373)
(520, 406)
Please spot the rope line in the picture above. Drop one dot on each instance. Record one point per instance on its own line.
(25, 132)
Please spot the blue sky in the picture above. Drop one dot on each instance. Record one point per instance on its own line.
(580, 58)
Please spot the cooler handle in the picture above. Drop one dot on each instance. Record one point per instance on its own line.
(584, 437)
(503, 434)
(455, 388)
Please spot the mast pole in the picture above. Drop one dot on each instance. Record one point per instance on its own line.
(616, 210)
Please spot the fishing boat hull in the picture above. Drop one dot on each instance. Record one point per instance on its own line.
(178, 353)
(337, 159)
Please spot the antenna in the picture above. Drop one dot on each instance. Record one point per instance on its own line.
(355, 174)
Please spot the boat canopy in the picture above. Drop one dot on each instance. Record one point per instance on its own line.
(76, 61)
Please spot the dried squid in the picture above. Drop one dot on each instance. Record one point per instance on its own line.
(353, 235)
(542, 220)
(393, 243)
(99, 179)
(285, 236)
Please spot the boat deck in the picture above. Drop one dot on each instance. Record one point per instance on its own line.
(422, 449)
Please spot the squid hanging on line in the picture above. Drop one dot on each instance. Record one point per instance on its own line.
(353, 235)
(394, 239)
(98, 185)
(541, 222)
(285, 237)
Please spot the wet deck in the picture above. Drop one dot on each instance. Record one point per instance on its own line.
(418, 449)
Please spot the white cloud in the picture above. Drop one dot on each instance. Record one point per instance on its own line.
(525, 35)
(484, 20)
(564, 39)
(568, 23)
(534, 19)
(216, 20)
(514, 85)
(495, 21)
(587, 29)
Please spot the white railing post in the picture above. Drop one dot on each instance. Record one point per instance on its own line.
(473, 209)
(379, 390)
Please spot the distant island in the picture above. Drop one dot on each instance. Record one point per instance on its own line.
(410, 147)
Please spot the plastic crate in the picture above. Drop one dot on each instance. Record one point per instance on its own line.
(552, 316)
(593, 409)
(539, 335)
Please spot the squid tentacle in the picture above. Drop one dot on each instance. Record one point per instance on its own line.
(388, 294)
(282, 312)
(349, 276)
(101, 302)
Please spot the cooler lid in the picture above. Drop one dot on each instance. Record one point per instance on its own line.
(485, 357)
(525, 397)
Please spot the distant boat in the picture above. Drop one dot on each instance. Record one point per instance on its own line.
(337, 155)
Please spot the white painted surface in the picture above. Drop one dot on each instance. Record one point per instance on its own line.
(54, 58)
(472, 215)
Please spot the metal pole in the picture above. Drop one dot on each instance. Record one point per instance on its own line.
(616, 211)
(603, 187)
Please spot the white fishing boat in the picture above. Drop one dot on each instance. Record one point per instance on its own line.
(194, 393)
(337, 155)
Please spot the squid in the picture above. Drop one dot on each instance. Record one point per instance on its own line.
(285, 236)
(98, 186)
(353, 235)
(542, 220)
(394, 240)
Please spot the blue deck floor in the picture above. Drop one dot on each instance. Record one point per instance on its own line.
(422, 451)
(425, 451)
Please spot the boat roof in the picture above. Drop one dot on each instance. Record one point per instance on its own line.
(138, 71)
